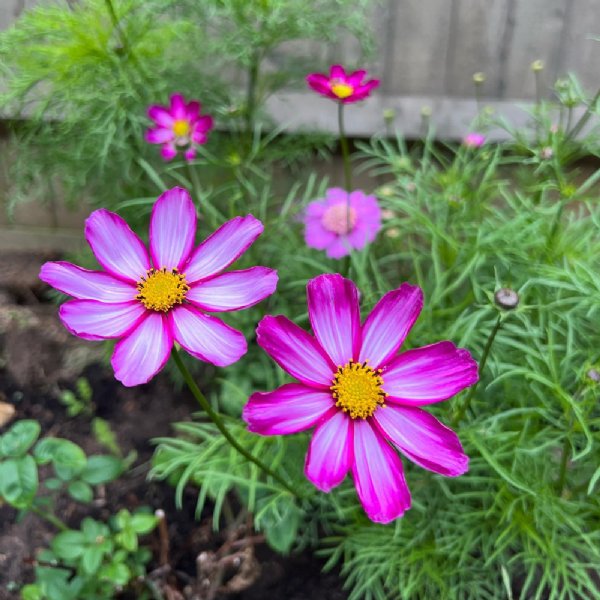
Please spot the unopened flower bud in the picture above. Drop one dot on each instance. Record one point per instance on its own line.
(537, 66)
(594, 375)
(546, 153)
(506, 298)
(389, 114)
(393, 232)
(426, 112)
(387, 214)
(478, 78)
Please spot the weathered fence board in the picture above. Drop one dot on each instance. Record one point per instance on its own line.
(428, 51)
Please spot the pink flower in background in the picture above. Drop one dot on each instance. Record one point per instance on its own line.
(345, 88)
(362, 398)
(474, 140)
(149, 300)
(342, 221)
(179, 127)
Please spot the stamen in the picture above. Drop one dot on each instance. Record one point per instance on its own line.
(162, 289)
(181, 128)
(341, 90)
(357, 389)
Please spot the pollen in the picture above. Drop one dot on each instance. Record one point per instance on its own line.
(162, 289)
(181, 128)
(357, 389)
(341, 90)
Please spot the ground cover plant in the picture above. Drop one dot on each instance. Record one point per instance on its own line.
(401, 379)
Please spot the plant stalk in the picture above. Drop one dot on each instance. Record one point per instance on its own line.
(486, 351)
(52, 519)
(253, 74)
(584, 118)
(116, 24)
(345, 149)
(218, 421)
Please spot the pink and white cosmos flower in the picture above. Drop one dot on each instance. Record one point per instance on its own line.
(148, 300)
(178, 127)
(340, 86)
(342, 221)
(363, 398)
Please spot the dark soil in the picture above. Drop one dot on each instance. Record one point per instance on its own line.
(39, 359)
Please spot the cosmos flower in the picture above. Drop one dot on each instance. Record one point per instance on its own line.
(179, 127)
(342, 221)
(363, 398)
(345, 88)
(149, 300)
(474, 140)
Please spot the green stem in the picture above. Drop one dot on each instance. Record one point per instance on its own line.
(253, 74)
(486, 351)
(116, 24)
(562, 473)
(584, 118)
(345, 149)
(47, 516)
(218, 421)
(347, 178)
(555, 224)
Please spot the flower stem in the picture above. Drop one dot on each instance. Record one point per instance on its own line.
(562, 473)
(345, 149)
(52, 519)
(486, 351)
(584, 118)
(253, 74)
(117, 24)
(218, 421)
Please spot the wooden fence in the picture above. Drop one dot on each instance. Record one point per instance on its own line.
(428, 51)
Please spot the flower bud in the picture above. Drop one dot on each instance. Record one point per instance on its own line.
(506, 298)
(426, 112)
(389, 114)
(537, 66)
(478, 78)
(594, 375)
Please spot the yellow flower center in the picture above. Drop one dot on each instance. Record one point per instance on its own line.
(181, 128)
(341, 90)
(357, 389)
(162, 289)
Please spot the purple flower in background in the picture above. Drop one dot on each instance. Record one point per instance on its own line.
(363, 398)
(474, 140)
(340, 86)
(150, 300)
(342, 221)
(179, 127)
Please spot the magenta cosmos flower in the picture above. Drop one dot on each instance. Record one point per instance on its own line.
(342, 221)
(363, 400)
(474, 140)
(149, 300)
(345, 88)
(178, 127)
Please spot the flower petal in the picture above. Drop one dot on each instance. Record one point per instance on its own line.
(289, 409)
(295, 351)
(207, 338)
(161, 116)
(172, 229)
(96, 320)
(330, 454)
(389, 323)
(334, 316)
(234, 290)
(193, 110)
(202, 126)
(115, 246)
(319, 83)
(159, 135)
(223, 247)
(144, 352)
(337, 72)
(190, 154)
(423, 439)
(86, 285)
(168, 151)
(429, 374)
(178, 107)
(378, 475)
